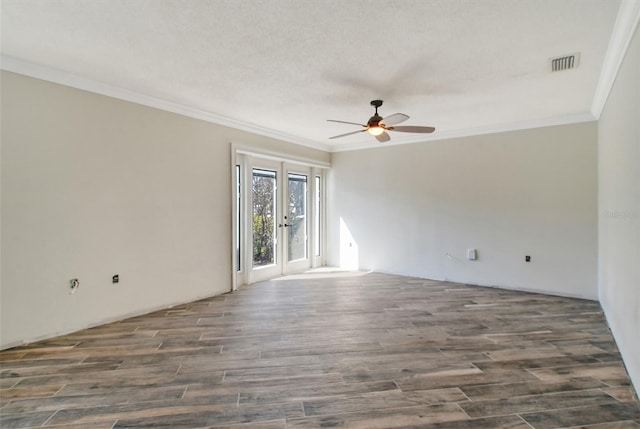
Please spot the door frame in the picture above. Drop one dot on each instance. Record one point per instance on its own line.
(241, 239)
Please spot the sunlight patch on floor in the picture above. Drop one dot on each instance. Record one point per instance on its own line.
(323, 273)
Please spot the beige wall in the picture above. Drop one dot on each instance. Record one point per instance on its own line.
(401, 209)
(93, 186)
(619, 210)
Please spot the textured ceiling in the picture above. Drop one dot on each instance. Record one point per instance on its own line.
(282, 67)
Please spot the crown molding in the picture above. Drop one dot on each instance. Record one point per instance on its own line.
(62, 77)
(621, 36)
(477, 131)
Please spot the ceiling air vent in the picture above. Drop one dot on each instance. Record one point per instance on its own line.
(565, 63)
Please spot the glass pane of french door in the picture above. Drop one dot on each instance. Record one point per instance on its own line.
(277, 220)
(296, 219)
(264, 227)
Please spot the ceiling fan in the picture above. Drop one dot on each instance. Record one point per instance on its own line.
(378, 126)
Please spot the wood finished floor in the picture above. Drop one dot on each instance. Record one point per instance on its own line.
(369, 351)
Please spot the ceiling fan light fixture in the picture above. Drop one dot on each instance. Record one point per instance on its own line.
(375, 130)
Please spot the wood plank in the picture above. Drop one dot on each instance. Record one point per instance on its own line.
(366, 351)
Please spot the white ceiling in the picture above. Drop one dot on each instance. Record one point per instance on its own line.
(282, 67)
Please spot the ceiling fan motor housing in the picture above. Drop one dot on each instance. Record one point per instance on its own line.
(374, 121)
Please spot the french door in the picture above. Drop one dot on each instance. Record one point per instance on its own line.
(277, 218)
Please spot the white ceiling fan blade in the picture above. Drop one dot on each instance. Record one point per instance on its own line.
(345, 122)
(348, 134)
(396, 118)
(384, 137)
(413, 129)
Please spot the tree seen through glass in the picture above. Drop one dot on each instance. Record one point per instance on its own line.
(264, 215)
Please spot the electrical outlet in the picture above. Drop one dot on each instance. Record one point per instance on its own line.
(527, 258)
(115, 279)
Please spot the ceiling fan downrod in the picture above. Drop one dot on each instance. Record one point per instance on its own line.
(376, 104)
